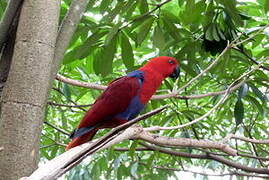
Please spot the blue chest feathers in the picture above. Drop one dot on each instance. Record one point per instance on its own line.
(135, 106)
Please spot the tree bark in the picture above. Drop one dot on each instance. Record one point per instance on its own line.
(6, 56)
(25, 93)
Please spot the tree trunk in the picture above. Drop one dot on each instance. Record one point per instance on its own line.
(25, 93)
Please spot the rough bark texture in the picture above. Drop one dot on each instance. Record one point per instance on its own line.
(25, 92)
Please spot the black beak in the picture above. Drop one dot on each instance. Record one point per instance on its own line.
(175, 73)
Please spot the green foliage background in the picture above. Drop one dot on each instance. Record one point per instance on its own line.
(118, 36)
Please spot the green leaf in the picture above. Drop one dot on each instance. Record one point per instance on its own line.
(116, 11)
(97, 62)
(112, 33)
(144, 30)
(66, 91)
(158, 38)
(215, 32)
(239, 112)
(171, 29)
(243, 90)
(117, 163)
(104, 5)
(231, 10)
(255, 103)
(132, 148)
(266, 6)
(108, 56)
(126, 52)
(188, 70)
(257, 92)
(85, 49)
(209, 33)
(134, 170)
(220, 33)
(143, 6)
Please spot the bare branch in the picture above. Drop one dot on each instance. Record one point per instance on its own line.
(79, 83)
(55, 142)
(70, 106)
(158, 6)
(56, 128)
(207, 174)
(184, 142)
(208, 156)
(242, 138)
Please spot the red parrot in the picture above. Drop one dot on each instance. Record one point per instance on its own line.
(124, 98)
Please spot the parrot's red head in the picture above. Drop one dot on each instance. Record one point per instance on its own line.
(166, 66)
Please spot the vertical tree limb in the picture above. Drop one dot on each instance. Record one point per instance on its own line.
(66, 32)
(6, 57)
(10, 12)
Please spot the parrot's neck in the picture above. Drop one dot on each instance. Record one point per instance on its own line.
(152, 81)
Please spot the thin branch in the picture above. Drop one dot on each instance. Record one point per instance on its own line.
(158, 6)
(210, 157)
(70, 106)
(207, 174)
(184, 142)
(61, 144)
(251, 37)
(56, 128)
(242, 138)
(80, 83)
(250, 58)
(59, 91)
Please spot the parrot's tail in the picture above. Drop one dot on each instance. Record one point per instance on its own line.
(81, 139)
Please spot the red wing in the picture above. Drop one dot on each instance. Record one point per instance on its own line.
(115, 99)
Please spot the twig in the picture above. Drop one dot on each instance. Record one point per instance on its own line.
(53, 140)
(250, 37)
(250, 58)
(80, 83)
(66, 105)
(208, 156)
(59, 91)
(184, 142)
(242, 138)
(207, 174)
(158, 6)
(56, 128)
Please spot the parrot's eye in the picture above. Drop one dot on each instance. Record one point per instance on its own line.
(171, 61)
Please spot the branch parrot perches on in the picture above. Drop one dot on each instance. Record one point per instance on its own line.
(124, 98)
